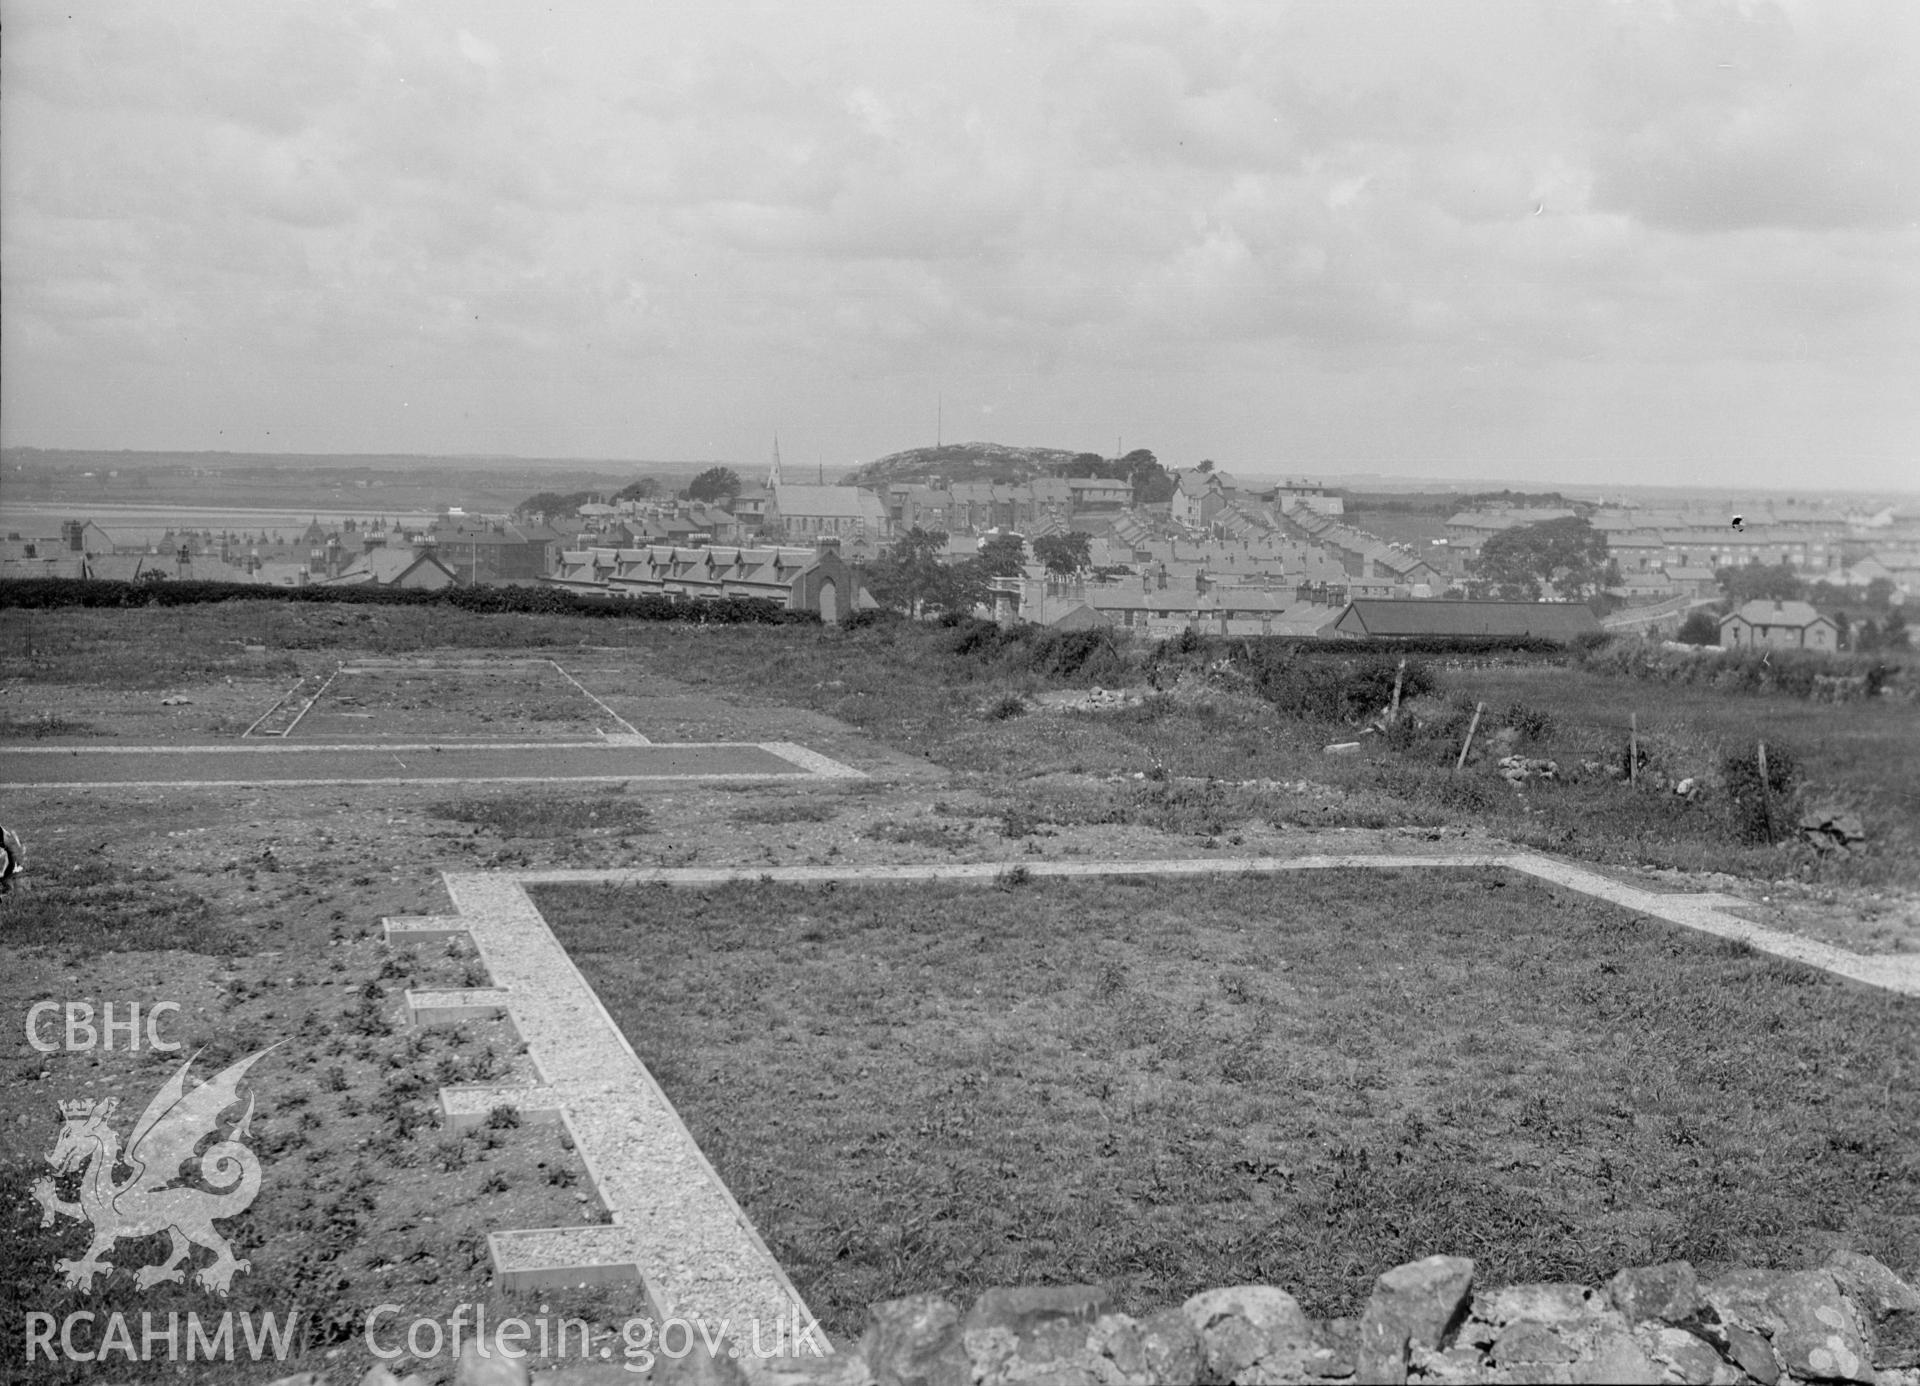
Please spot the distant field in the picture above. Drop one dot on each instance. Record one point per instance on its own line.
(1397, 526)
(297, 484)
(1298, 1081)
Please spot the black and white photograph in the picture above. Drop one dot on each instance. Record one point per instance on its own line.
(959, 692)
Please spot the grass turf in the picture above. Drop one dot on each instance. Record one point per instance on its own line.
(608, 810)
(88, 906)
(927, 691)
(1299, 1080)
(1863, 756)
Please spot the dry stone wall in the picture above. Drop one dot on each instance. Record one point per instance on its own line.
(1850, 1321)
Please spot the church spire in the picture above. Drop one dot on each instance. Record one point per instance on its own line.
(773, 472)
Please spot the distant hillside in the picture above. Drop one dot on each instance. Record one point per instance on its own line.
(322, 481)
(962, 462)
(1453, 502)
(79, 459)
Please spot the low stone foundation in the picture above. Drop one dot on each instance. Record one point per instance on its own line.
(1852, 1320)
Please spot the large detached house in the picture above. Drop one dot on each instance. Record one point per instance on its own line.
(1778, 626)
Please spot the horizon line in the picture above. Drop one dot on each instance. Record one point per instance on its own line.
(1374, 471)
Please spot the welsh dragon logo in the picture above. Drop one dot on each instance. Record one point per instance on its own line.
(151, 1199)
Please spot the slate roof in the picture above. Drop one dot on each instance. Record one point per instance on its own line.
(123, 567)
(61, 565)
(1306, 618)
(1376, 616)
(1079, 616)
(384, 567)
(1794, 615)
(848, 502)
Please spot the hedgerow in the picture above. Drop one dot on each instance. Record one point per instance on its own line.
(1798, 673)
(49, 593)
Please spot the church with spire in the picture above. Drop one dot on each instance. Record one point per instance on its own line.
(848, 514)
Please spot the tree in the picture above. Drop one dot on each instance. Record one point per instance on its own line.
(646, 488)
(918, 547)
(714, 484)
(1205, 466)
(1759, 582)
(1151, 482)
(545, 503)
(1568, 554)
(1064, 554)
(1893, 631)
(910, 577)
(966, 585)
(1699, 629)
(1004, 555)
(1880, 594)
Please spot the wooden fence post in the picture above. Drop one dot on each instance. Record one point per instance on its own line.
(1766, 794)
(1633, 749)
(1393, 713)
(1478, 708)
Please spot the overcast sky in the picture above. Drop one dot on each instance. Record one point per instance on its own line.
(1640, 242)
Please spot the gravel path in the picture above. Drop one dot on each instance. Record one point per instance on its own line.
(699, 1257)
(233, 765)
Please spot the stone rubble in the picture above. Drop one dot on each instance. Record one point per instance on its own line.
(1519, 769)
(1095, 699)
(1831, 829)
(1852, 1320)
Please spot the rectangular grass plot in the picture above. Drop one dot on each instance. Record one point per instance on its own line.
(503, 700)
(1299, 1079)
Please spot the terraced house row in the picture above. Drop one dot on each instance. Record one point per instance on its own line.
(799, 579)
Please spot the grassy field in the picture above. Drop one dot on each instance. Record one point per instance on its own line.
(1239, 1093)
(1213, 754)
(1400, 526)
(1211, 751)
(1298, 1080)
(1863, 756)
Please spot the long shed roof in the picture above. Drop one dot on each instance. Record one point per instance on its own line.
(1380, 616)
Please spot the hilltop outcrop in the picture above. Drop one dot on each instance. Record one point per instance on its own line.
(963, 462)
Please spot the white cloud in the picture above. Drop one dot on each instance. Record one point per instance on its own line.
(817, 212)
(478, 51)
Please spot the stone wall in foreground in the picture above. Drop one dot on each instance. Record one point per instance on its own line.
(1852, 1320)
